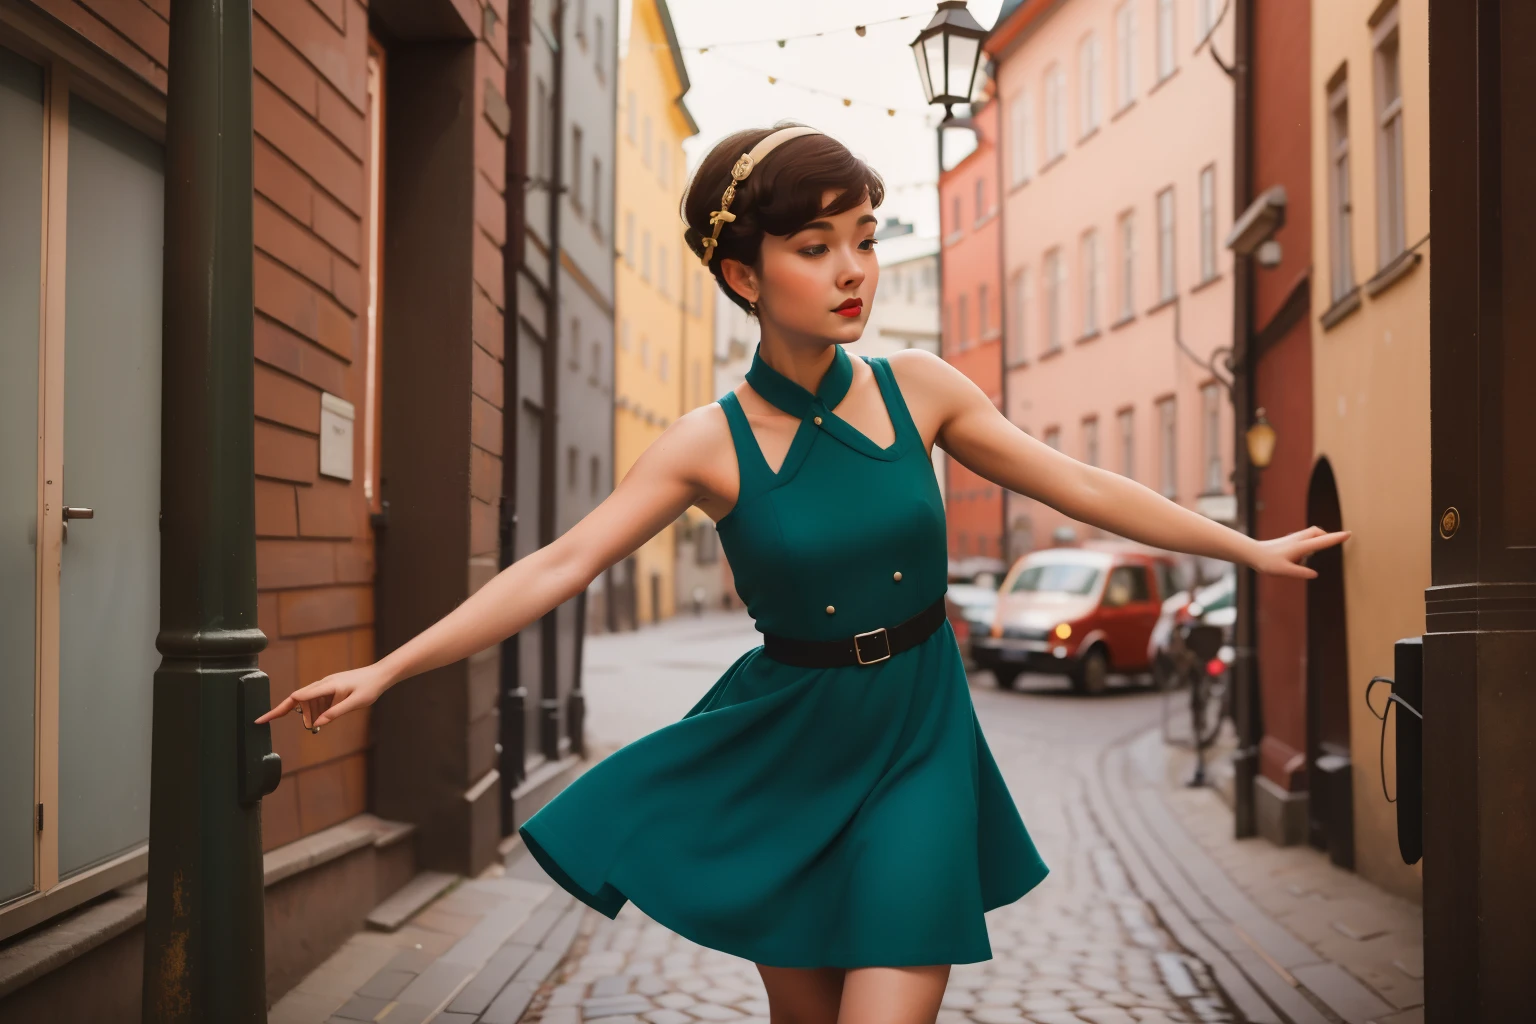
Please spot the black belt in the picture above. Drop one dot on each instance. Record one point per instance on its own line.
(861, 649)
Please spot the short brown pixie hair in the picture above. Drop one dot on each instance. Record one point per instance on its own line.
(779, 197)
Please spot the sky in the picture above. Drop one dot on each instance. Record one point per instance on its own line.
(730, 87)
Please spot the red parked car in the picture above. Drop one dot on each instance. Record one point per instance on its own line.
(1082, 612)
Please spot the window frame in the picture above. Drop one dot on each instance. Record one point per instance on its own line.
(1125, 421)
(1167, 52)
(1209, 257)
(1168, 447)
(1167, 246)
(1213, 465)
(1391, 200)
(1125, 55)
(1022, 143)
(1341, 270)
(1090, 105)
(1053, 280)
(1126, 236)
(1089, 259)
(1055, 113)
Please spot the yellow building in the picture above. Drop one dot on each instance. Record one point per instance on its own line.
(665, 307)
(1370, 295)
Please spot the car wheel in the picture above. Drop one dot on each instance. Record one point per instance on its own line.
(1007, 678)
(1092, 673)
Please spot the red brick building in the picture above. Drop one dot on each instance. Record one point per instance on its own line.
(971, 329)
(383, 132)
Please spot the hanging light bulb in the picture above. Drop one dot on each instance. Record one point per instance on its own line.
(772, 80)
(890, 111)
(847, 102)
(859, 29)
(781, 44)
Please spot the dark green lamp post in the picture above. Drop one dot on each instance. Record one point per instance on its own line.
(948, 52)
(204, 958)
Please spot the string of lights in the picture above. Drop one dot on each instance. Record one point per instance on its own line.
(782, 41)
(924, 114)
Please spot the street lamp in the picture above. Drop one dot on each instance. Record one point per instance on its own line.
(948, 52)
(1261, 441)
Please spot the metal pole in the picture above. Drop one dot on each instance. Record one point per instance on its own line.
(203, 934)
(549, 700)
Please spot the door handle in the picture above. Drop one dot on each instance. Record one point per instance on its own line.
(76, 513)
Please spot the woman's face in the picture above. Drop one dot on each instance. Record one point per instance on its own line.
(820, 281)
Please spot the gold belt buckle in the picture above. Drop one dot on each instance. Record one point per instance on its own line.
(857, 653)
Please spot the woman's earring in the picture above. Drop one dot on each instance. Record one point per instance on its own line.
(753, 307)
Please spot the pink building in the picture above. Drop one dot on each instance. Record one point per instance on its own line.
(1117, 136)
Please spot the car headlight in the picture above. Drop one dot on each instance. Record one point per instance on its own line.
(1064, 631)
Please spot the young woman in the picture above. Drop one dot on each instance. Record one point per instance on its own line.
(829, 809)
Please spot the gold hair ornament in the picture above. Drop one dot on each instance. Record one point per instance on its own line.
(739, 171)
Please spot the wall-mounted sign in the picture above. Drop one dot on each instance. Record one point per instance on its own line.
(336, 419)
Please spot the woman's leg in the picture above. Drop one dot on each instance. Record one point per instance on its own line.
(802, 995)
(893, 995)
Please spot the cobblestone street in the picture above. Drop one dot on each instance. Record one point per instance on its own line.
(1082, 947)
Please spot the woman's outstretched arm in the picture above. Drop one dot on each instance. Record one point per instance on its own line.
(661, 485)
(971, 429)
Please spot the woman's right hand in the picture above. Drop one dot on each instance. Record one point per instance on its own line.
(326, 700)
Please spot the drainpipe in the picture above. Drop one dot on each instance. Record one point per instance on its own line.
(1245, 761)
(1002, 307)
(210, 766)
(549, 702)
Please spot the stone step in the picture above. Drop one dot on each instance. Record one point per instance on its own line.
(410, 898)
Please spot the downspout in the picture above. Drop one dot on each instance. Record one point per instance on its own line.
(549, 703)
(1002, 303)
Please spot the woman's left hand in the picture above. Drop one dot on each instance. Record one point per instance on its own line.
(1283, 556)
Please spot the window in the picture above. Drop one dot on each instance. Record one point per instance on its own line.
(1052, 437)
(573, 343)
(597, 195)
(597, 46)
(663, 169)
(1167, 449)
(1205, 17)
(664, 365)
(1055, 105)
(954, 221)
(581, 21)
(1055, 285)
(963, 328)
(645, 255)
(1125, 55)
(1127, 585)
(1390, 229)
(571, 461)
(1167, 62)
(540, 150)
(1166, 279)
(630, 111)
(1342, 275)
(1090, 270)
(1089, 102)
(576, 162)
(597, 362)
(1127, 264)
(1018, 341)
(983, 311)
(981, 200)
(593, 466)
(1091, 440)
(1126, 419)
(1210, 397)
(661, 269)
(1022, 144)
(645, 141)
(1208, 223)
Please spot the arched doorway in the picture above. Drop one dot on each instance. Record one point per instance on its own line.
(1330, 806)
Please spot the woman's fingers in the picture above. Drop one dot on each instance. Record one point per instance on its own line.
(335, 711)
(284, 707)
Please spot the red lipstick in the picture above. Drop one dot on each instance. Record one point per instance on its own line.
(850, 308)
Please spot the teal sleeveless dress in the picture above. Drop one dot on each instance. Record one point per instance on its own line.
(809, 817)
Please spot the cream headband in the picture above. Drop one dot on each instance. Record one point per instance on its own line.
(739, 172)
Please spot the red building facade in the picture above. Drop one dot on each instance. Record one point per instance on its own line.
(970, 209)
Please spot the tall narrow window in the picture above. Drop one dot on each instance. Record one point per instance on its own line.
(1167, 281)
(1127, 265)
(1091, 440)
(1210, 397)
(1127, 423)
(573, 343)
(664, 364)
(661, 269)
(645, 255)
(1125, 54)
(1208, 223)
(1090, 272)
(597, 46)
(663, 166)
(629, 238)
(963, 328)
(1055, 285)
(630, 114)
(1167, 449)
(645, 140)
(1018, 323)
(597, 196)
(1205, 17)
(1021, 123)
(576, 168)
(540, 149)
(1055, 114)
(983, 312)
(1052, 437)
(981, 199)
(1341, 253)
(954, 220)
(1391, 229)
(1167, 60)
(1090, 104)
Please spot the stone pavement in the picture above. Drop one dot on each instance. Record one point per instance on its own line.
(1150, 914)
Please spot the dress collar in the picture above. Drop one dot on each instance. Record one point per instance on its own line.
(783, 393)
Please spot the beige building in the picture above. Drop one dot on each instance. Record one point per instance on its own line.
(665, 309)
(1370, 298)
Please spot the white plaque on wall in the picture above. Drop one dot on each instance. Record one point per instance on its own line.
(336, 418)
